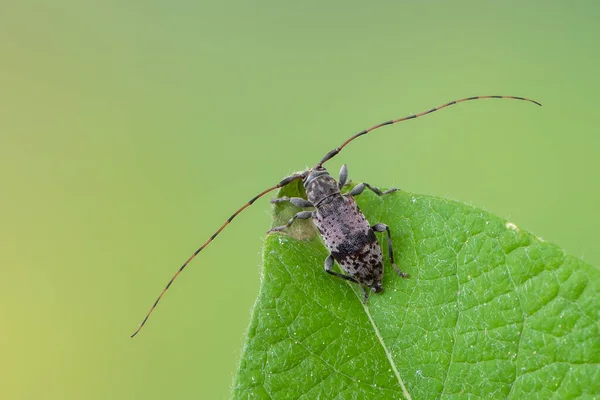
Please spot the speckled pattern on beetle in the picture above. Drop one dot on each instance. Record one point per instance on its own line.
(346, 232)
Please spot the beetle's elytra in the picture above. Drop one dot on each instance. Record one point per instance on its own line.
(345, 230)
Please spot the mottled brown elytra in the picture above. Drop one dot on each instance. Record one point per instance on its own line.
(347, 234)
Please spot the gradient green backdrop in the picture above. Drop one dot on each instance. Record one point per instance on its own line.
(130, 130)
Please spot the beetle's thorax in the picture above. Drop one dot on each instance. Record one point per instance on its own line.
(320, 186)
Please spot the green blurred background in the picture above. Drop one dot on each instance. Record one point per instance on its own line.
(129, 131)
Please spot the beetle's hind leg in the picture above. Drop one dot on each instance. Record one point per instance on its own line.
(329, 269)
(385, 228)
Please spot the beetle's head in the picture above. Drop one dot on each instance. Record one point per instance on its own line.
(319, 184)
(312, 174)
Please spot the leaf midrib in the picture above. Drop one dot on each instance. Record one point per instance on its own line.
(385, 349)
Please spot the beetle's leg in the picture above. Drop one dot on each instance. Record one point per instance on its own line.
(297, 201)
(385, 228)
(300, 215)
(343, 180)
(328, 268)
(358, 189)
(343, 176)
(365, 294)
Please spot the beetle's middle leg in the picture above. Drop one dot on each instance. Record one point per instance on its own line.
(385, 228)
(300, 215)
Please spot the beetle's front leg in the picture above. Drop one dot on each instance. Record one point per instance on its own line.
(358, 189)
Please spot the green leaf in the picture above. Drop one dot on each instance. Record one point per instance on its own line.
(490, 311)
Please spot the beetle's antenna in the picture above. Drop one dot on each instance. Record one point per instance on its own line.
(335, 151)
(283, 182)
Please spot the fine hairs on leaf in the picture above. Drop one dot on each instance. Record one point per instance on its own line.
(490, 311)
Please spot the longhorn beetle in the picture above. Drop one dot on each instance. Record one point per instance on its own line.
(343, 227)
